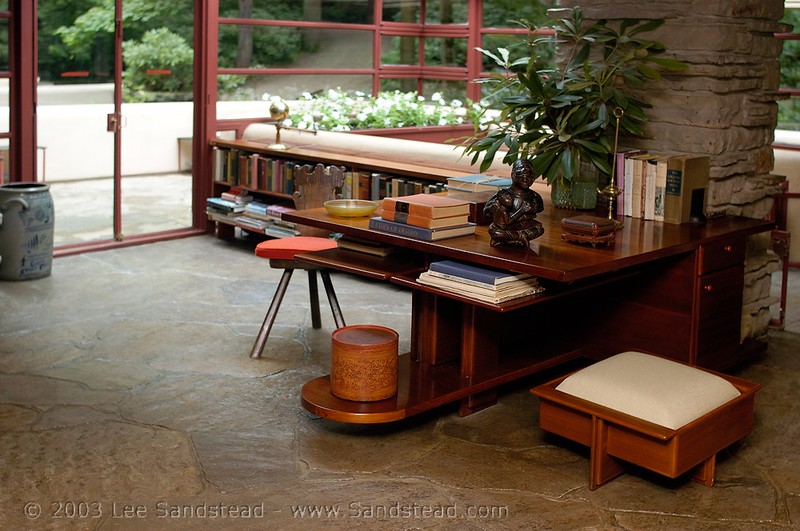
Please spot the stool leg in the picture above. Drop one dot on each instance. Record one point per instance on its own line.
(602, 467)
(316, 319)
(263, 333)
(332, 300)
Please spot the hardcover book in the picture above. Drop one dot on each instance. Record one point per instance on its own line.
(477, 183)
(365, 246)
(420, 233)
(486, 276)
(494, 296)
(424, 221)
(224, 205)
(687, 176)
(428, 205)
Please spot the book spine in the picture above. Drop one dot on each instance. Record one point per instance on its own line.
(672, 197)
(401, 229)
(661, 188)
(649, 197)
(455, 270)
(419, 221)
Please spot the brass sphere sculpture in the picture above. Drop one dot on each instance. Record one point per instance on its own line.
(278, 112)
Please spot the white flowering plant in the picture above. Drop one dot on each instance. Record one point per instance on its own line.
(338, 110)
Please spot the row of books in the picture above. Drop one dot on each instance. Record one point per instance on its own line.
(259, 172)
(668, 188)
(479, 283)
(237, 207)
(424, 217)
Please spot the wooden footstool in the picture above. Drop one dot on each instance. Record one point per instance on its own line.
(635, 408)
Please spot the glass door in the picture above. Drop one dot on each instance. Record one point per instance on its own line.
(114, 116)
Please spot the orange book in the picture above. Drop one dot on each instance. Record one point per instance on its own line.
(424, 221)
(427, 205)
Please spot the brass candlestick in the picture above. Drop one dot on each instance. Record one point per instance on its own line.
(611, 191)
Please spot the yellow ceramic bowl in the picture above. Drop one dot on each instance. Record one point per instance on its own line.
(350, 208)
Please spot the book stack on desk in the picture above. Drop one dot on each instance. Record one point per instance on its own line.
(480, 283)
(477, 183)
(425, 217)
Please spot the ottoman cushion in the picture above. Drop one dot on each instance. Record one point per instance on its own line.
(655, 389)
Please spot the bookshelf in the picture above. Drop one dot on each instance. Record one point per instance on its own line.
(266, 173)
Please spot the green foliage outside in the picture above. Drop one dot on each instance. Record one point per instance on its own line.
(789, 110)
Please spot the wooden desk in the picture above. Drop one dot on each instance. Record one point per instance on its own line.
(672, 290)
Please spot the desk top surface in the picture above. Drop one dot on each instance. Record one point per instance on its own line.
(638, 242)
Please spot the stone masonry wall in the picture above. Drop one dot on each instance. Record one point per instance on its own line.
(723, 105)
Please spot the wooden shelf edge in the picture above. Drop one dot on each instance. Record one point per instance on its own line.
(442, 387)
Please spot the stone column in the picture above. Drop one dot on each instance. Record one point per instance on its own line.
(724, 105)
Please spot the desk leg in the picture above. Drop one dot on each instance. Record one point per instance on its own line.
(479, 355)
(434, 337)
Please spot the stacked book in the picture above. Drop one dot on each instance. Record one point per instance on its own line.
(223, 210)
(480, 283)
(477, 183)
(428, 217)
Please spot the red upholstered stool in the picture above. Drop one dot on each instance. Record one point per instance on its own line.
(281, 253)
(314, 187)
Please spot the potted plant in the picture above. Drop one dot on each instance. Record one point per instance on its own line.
(564, 118)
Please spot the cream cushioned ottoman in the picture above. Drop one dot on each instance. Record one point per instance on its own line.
(660, 414)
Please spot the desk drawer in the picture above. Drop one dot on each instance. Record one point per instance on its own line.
(721, 254)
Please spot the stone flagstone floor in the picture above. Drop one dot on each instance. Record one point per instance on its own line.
(128, 401)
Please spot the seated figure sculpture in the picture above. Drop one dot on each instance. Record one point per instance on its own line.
(513, 210)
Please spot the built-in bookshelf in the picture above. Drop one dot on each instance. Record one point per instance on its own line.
(267, 176)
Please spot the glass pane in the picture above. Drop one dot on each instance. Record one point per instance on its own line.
(344, 11)
(453, 93)
(445, 52)
(258, 89)
(502, 13)
(157, 111)
(74, 97)
(4, 46)
(401, 11)
(399, 50)
(789, 114)
(270, 47)
(447, 12)
(401, 84)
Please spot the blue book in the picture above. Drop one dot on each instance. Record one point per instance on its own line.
(484, 275)
(421, 233)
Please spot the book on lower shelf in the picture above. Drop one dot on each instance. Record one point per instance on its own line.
(225, 206)
(360, 245)
(421, 233)
(482, 275)
(512, 287)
